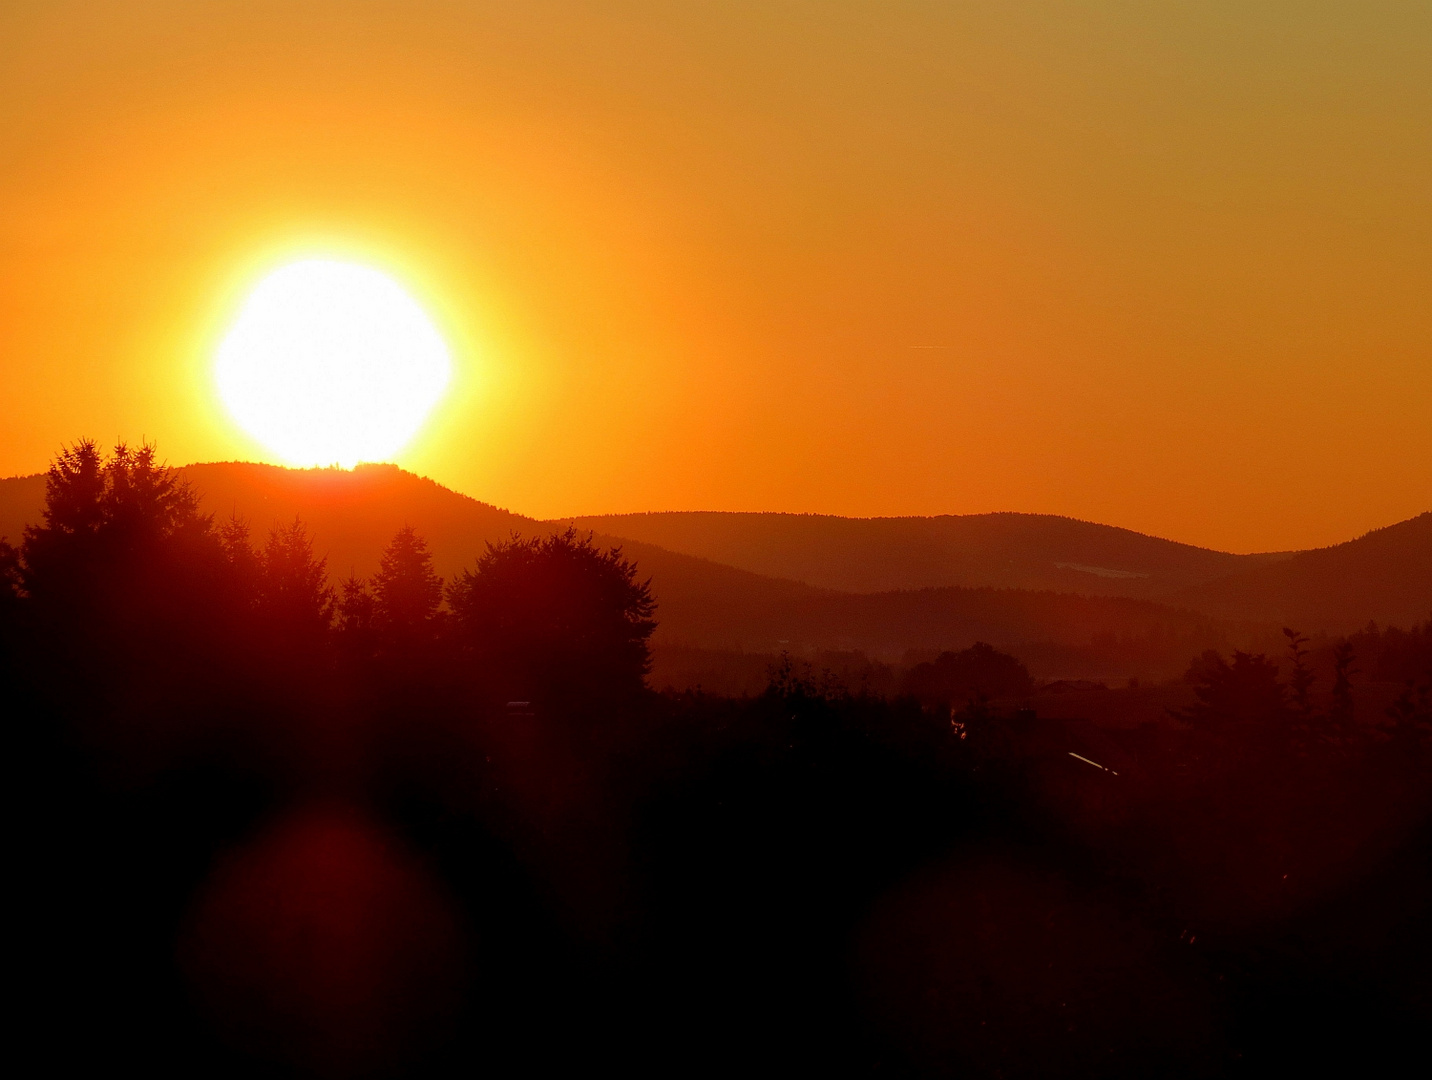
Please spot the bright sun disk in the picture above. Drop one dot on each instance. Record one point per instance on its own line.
(330, 363)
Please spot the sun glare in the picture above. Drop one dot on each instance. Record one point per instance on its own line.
(330, 363)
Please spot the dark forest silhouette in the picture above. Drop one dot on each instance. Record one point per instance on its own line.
(275, 817)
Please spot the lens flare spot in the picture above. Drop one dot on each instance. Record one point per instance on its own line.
(322, 944)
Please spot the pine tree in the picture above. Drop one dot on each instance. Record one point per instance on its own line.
(242, 559)
(1301, 680)
(293, 592)
(406, 591)
(355, 619)
(108, 518)
(355, 607)
(1343, 671)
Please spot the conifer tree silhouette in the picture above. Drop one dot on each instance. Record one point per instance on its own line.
(294, 593)
(1343, 671)
(106, 517)
(355, 607)
(242, 559)
(9, 574)
(1300, 682)
(406, 592)
(11, 605)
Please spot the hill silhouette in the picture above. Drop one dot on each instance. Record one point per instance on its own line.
(1384, 575)
(351, 515)
(1009, 551)
(1023, 578)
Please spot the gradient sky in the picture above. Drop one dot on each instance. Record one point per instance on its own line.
(1165, 266)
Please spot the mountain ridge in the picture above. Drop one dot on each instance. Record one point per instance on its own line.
(1001, 550)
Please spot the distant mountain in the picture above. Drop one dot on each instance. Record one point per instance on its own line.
(22, 498)
(1008, 551)
(1384, 575)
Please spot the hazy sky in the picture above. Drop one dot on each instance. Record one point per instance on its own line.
(1162, 265)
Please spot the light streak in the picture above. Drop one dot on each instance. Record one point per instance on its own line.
(1096, 765)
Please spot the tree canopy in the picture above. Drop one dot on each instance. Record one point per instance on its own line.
(557, 617)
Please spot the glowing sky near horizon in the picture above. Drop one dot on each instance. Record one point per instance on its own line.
(1162, 266)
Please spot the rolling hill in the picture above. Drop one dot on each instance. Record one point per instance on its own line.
(1009, 551)
(1384, 575)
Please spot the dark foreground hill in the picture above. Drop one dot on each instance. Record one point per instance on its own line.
(1002, 551)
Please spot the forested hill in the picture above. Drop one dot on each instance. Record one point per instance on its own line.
(21, 500)
(353, 514)
(1008, 551)
(1384, 575)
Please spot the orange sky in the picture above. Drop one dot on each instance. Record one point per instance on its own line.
(1167, 269)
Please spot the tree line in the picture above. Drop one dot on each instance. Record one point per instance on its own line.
(125, 556)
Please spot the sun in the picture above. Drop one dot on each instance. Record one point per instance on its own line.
(331, 363)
